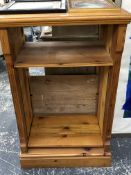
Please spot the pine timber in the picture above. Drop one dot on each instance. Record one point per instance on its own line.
(57, 94)
(85, 139)
(63, 54)
(65, 131)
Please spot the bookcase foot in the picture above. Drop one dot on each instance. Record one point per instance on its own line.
(38, 161)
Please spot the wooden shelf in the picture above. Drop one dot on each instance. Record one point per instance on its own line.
(63, 54)
(58, 94)
(65, 131)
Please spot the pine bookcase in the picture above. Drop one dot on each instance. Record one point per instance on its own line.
(65, 120)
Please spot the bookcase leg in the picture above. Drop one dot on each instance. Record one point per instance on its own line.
(115, 46)
(18, 104)
(10, 48)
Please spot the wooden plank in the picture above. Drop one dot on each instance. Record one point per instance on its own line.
(18, 103)
(28, 161)
(65, 125)
(108, 36)
(121, 38)
(66, 152)
(103, 79)
(62, 82)
(25, 89)
(89, 140)
(95, 16)
(62, 54)
(62, 108)
(16, 39)
(112, 83)
(65, 131)
(9, 55)
(64, 94)
(73, 118)
(4, 41)
(107, 146)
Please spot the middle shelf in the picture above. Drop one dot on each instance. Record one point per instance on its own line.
(63, 54)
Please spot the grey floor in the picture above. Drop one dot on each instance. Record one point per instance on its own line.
(9, 144)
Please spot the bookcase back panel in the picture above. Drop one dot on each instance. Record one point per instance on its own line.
(53, 94)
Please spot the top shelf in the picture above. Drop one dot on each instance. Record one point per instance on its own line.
(63, 54)
(90, 17)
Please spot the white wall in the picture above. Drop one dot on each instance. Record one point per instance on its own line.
(126, 4)
(120, 124)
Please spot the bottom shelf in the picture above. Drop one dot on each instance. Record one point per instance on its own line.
(65, 141)
(65, 131)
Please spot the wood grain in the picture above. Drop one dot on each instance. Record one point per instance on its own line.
(56, 94)
(59, 125)
(121, 38)
(90, 17)
(62, 54)
(89, 140)
(65, 131)
(18, 103)
(76, 131)
(10, 56)
(65, 152)
(103, 79)
(116, 55)
(25, 90)
(5, 41)
(28, 161)
(16, 39)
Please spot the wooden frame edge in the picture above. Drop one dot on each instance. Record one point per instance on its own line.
(36, 161)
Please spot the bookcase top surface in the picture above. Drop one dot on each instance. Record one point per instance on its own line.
(80, 12)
